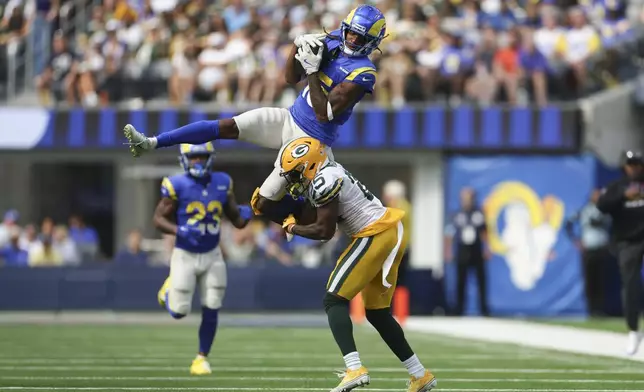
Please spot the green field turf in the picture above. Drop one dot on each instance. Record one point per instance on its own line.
(157, 358)
(604, 324)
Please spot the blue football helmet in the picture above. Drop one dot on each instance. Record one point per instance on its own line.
(367, 22)
(198, 168)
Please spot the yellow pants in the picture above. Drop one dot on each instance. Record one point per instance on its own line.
(360, 268)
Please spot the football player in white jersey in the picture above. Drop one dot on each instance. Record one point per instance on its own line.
(370, 263)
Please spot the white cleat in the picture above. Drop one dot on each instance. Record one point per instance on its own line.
(137, 141)
(634, 340)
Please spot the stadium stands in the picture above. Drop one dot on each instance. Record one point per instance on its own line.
(233, 51)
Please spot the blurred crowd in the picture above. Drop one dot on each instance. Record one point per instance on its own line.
(50, 244)
(261, 243)
(233, 51)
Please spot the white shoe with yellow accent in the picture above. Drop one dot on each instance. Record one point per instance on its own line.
(352, 379)
(200, 367)
(423, 384)
(137, 141)
(162, 292)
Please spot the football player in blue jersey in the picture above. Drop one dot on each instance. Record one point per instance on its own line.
(334, 87)
(191, 208)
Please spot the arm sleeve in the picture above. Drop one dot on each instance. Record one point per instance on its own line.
(610, 198)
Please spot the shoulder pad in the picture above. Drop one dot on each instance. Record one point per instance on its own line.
(169, 187)
(326, 186)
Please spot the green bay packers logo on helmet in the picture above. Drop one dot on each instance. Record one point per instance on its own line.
(300, 151)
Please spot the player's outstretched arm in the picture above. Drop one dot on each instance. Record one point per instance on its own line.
(164, 216)
(239, 216)
(292, 73)
(324, 226)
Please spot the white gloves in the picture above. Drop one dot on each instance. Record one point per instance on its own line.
(310, 61)
(311, 40)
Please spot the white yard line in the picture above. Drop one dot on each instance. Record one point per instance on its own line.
(322, 379)
(542, 336)
(21, 388)
(250, 369)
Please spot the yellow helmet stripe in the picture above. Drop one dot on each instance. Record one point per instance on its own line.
(210, 147)
(185, 148)
(376, 28)
(350, 16)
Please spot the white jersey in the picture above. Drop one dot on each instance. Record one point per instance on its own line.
(358, 209)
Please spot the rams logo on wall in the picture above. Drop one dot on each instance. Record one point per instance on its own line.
(534, 268)
(522, 229)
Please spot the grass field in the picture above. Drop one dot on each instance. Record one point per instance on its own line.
(157, 358)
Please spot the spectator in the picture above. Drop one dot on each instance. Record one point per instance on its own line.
(506, 65)
(66, 246)
(184, 68)
(534, 66)
(29, 238)
(45, 254)
(270, 241)
(132, 254)
(212, 80)
(114, 52)
(59, 77)
(12, 254)
(8, 224)
(86, 238)
(238, 246)
(593, 243)
(580, 47)
(236, 15)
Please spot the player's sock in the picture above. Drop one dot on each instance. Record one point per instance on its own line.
(174, 315)
(352, 361)
(208, 328)
(390, 332)
(196, 133)
(414, 367)
(337, 311)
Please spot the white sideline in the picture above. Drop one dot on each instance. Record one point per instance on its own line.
(324, 379)
(524, 333)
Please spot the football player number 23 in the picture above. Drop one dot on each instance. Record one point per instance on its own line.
(199, 211)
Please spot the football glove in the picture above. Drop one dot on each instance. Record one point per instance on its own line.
(253, 202)
(246, 212)
(309, 40)
(288, 224)
(309, 60)
(189, 233)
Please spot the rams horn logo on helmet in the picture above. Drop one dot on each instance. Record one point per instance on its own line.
(300, 151)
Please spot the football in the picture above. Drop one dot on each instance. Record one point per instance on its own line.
(325, 58)
(308, 215)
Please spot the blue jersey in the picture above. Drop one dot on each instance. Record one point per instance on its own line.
(359, 70)
(200, 204)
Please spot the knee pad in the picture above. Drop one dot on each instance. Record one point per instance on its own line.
(214, 298)
(375, 316)
(331, 300)
(177, 310)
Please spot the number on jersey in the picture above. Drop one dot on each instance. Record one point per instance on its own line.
(368, 195)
